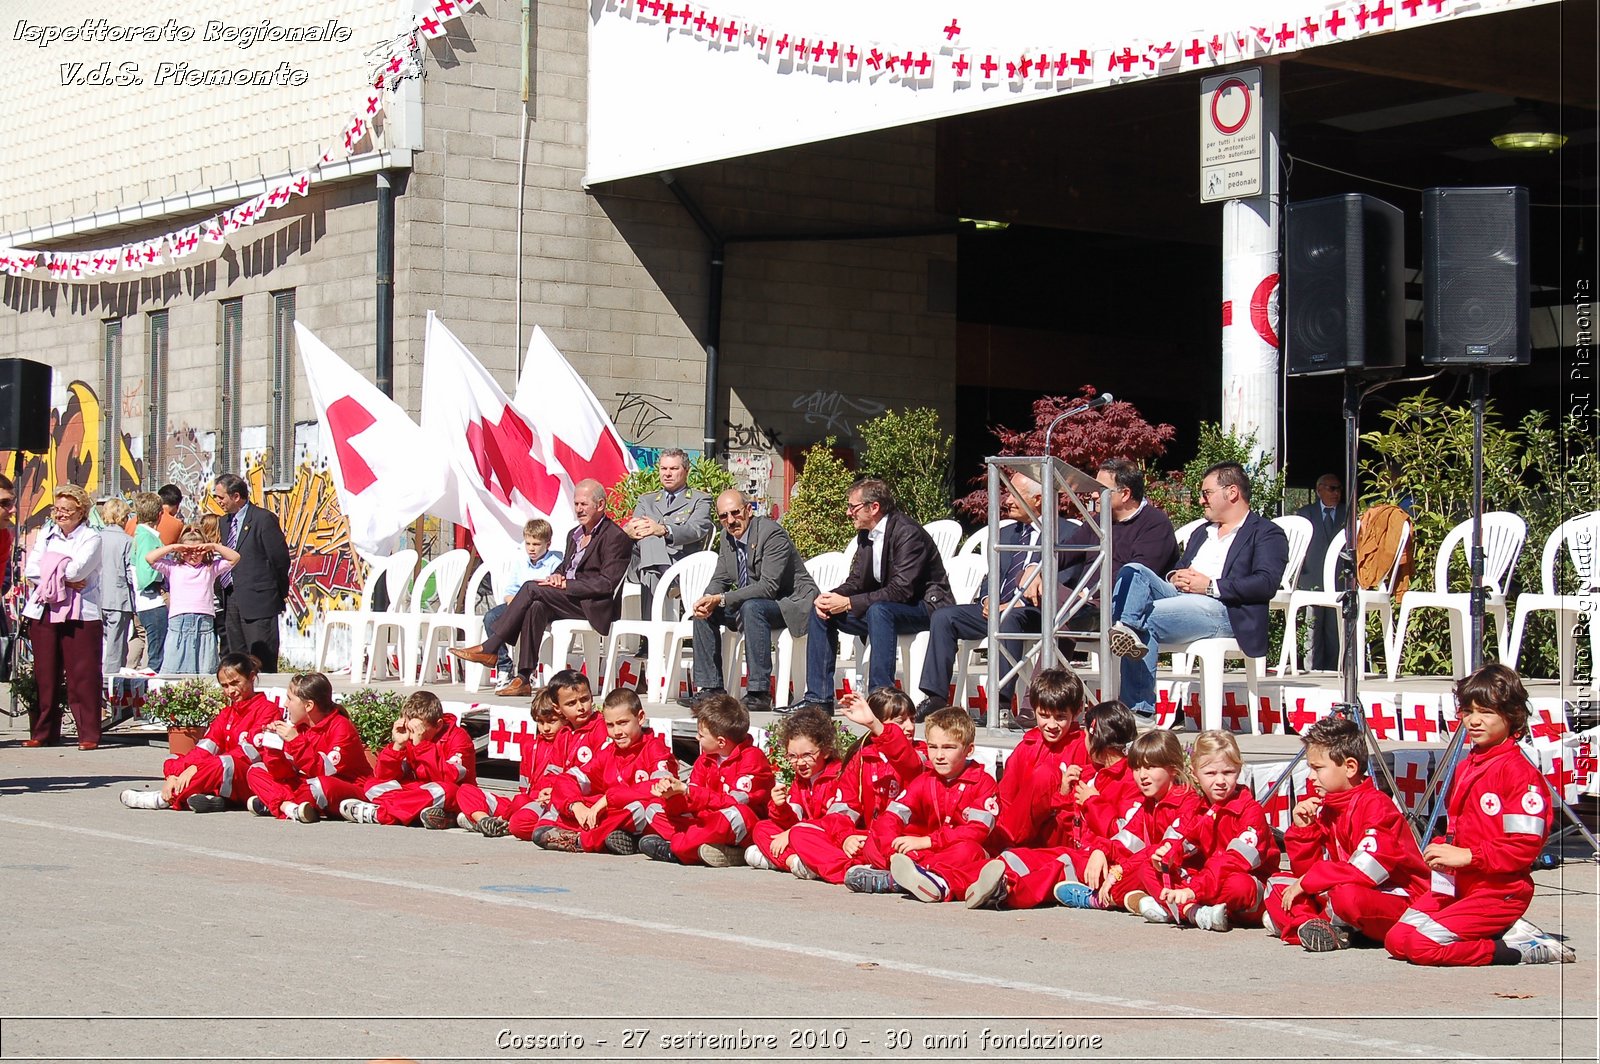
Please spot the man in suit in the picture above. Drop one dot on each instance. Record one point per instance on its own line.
(253, 591)
(1224, 580)
(759, 584)
(1327, 517)
(666, 526)
(584, 588)
(896, 581)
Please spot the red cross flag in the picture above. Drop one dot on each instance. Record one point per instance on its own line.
(385, 468)
(501, 475)
(573, 426)
(183, 242)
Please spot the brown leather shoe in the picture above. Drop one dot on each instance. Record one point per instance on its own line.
(477, 655)
(518, 687)
(88, 746)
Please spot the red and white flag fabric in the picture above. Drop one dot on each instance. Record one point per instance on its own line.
(576, 431)
(386, 470)
(501, 473)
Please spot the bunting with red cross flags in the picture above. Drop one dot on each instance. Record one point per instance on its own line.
(511, 730)
(1262, 776)
(1411, 771)
(1420, 720)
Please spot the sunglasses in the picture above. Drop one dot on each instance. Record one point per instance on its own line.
(730, 515)
(7, 503)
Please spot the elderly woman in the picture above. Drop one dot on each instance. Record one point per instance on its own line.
(64, 610)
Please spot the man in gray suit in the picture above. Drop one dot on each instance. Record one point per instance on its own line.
(759, 583)
(1327, 516)
(666, 525)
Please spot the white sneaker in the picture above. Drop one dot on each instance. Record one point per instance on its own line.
(1126, 643)
(988, 891)
(917, 881)
(1153, 911)
(358, 812)
(799, 869)
(464, 822)
(143, 799)
(302, 812)
(713, 855)
(1547, 951)
(1212, 918)
(1521, 933)
(756, 859)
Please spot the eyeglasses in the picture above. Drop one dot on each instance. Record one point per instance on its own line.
(1206, 493)
(807, 758)
(856, 507)
(730, 515)
(7, 503)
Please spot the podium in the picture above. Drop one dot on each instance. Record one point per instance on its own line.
(1071, 498)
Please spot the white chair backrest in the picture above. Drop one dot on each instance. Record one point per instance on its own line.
(946, 536)
(966, 573)
(1581, 534)
(1330, 560)
(440, 580)
(978, 542)
(828, 570)
(690, 575)
(482, 575)
(369, 583)
(1503, 535)
(397, 571)
(1298, 529)
(1184, 530)
(849, 552)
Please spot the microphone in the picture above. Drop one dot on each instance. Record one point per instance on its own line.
(1098, 401)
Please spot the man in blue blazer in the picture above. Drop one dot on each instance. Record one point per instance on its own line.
(1228, 573)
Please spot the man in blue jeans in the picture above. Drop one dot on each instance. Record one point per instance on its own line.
(895, 583)
(1228, 573)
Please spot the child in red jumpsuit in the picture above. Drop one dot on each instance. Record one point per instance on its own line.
(609, 807)
(489, 814)
(577, 746)
(1223, 881)
(212, 775)
(310, 762)
(1500, 809)
(427, 760)
(1354, 862)
(810, 748)
(709, 819)
(877, 770)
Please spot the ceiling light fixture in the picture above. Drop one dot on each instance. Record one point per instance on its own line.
(1528, 130)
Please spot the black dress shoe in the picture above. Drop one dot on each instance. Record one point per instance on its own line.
(806, 703)
(688, 701)
(929, 705)
(758, 703)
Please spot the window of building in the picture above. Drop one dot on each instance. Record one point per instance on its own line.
(283, 386)
(155, 403)
(110, 479)
(230, 342)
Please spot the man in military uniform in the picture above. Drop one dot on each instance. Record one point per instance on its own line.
(666, 525)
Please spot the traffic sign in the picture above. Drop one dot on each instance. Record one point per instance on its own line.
(1230, 136)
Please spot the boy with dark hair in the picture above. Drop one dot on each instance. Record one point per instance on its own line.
(428, 759)
(609, 805)
(1031, 793)
(577, 746)
(1500, 811)
(943, 818)
(489, 814)
(709, 819)
(1354, 861)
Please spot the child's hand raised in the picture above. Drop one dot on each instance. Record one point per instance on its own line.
(856, 711)
(1305, 811)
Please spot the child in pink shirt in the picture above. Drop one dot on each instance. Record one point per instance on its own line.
(191, 567)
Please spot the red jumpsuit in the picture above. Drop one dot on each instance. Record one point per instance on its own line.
(1357, 862)
(808, 800)
(1499, 808)
(624, 778)
(538, 772)
(576, 749)
(420, 775)
(1031, 801)
(726, 797)
(1234, 853)
(876, 772)
(223, 757)
(1033, 872)
(323, 764)
(1149, 828)
(957, 815)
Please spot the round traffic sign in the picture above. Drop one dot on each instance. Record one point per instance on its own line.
(1230, 106)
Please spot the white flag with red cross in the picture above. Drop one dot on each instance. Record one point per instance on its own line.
(386, 470)
(502, 472)
(1411, 771)
(574, 429)
(1262, 776)
(1420, 720)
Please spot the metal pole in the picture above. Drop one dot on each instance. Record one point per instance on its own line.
(1479, 390)
(384, 327)
(1350, 601)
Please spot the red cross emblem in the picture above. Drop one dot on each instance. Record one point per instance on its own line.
(1380, 721)
(952, 31)
(1421, 725)
(502, 452)
(1333, 22)
(1268, 717)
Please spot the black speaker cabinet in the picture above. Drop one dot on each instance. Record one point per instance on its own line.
(1475, 277)
(24, 405)
(1344, 285)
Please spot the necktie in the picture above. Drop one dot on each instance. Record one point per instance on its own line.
(226, 580)
(742, 553)
(1019, 561)
(1327, 517)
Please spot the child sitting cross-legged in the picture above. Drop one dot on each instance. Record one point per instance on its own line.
(489, 814)
(578, 744)
(930, 838)
(1354, 863)
(1128, 872)
(1500, 810)
(427, 760)
(809, 743)
(709, 819)
(310, 762)
(610, 805)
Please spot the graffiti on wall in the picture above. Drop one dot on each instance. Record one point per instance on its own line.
(638, 413)
(835, 411)
(72, 457)
(191, 463)
(324, 573)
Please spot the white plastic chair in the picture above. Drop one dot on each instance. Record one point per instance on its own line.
(462, 628)
(1299, 530)
(688, 576)
(1581, 536)
(1503, 537)
(978, 542)
(827, 572)
(1184, 530)
(440, 579)
(965, 574)
(946, 536)
(392, 573)
(1379, 600)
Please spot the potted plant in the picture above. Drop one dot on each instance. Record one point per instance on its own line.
(187, 708)
(25, 689)
(373, 712)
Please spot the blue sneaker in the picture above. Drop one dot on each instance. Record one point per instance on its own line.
(864, 879)
(1077, 896)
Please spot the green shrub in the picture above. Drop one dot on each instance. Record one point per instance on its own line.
(373, 712)
(910, 452)
(1179, 493)
(816, 520)
(705, 474)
